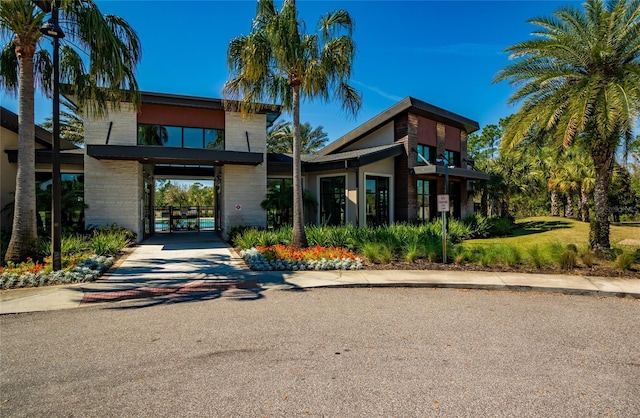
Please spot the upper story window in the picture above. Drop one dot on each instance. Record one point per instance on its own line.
(453, 157)
(181, 137)
(425, 154)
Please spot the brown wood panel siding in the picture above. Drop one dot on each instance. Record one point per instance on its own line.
(400, 126)
(440, 131)
(452, 138)
(181, 116)
(463, 149)
(427, 132)
(401, 188)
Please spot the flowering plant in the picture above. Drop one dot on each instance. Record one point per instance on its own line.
(281, 257)
(282, 252)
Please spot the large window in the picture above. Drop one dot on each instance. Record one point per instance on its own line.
(72, 202)
(279, 202)
(181, 137)
(425, 154)
(333, 202)
(377, 198)
(425, 193)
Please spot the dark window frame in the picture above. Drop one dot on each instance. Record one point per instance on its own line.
(220, 136)
(337, 200)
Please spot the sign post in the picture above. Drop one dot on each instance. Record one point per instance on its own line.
(443, 207)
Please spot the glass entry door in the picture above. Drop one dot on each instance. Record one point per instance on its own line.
(377, 200)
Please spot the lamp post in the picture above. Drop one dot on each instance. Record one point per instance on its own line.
(52, 29)
(442, 160)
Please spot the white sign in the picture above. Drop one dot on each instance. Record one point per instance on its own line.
(443, 203)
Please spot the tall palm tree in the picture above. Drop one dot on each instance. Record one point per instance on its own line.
(277, 61)
(280, 138)
(581, 74)
(106, 75)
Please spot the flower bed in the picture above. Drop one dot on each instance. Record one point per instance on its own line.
(281, 257)
(76, 269)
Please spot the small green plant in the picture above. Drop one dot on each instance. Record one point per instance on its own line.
(572, 247)
(109, 242)
(624, 261)
(370, 251)
(535, 255)
(567, 260)
(587, 257)
(411, 251)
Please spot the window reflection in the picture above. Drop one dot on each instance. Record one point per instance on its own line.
(180, 137)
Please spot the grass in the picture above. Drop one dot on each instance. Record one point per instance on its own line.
(547, 229)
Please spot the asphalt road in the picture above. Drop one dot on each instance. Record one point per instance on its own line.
(328, 352)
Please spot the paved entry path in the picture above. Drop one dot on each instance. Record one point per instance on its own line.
(173, 265)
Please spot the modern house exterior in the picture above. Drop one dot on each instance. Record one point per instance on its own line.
(387, 170)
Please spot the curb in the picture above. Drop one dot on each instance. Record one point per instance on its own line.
(497, 287)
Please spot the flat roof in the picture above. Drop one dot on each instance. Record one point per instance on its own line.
(173, 155)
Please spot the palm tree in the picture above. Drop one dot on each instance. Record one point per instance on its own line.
(277, 61)
(107, 75)
(581, 74)
(71, 123)
(280, 138)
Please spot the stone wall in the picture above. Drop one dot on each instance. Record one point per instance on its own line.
(113, 189)
(243, 187)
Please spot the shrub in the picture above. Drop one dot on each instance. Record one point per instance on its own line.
(535, 255)
(411, 251)
(237, 231)
(479, 226)
(572, 247)
(109, 242)
(624, 261)
(568, 259)
(500, 226)
(587, 256)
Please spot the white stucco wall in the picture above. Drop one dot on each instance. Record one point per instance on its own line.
(381, 136)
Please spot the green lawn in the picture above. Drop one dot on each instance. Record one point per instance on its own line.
(547, 229)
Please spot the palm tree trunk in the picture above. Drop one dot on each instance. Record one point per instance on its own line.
(603, 165)
(569, 213)
(555, 203)
(24, 233)
(584, 203)
(299, 239)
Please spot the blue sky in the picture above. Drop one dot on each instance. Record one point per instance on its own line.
(443, 52)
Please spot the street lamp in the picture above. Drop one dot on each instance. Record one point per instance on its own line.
(52, 29)
(442, 160)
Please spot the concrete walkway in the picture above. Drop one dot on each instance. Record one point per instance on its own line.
(179, 266)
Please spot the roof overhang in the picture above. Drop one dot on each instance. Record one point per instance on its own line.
(173, 155)
(452, 172)
(43, 156)
(408, 104)
(349, 160)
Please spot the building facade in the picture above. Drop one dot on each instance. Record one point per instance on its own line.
(389, 169)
